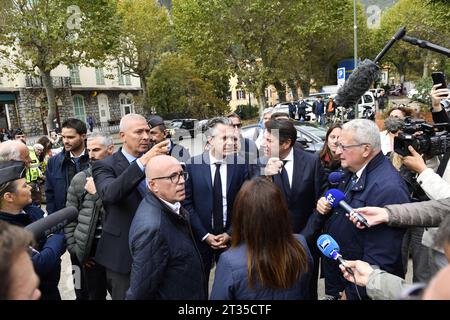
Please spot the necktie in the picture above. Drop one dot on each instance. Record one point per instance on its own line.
(76, 161)
(351, 183)
(217, 202)
(282, 181)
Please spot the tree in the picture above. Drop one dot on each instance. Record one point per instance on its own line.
(146, 35)
(177, 90)
(40, 35)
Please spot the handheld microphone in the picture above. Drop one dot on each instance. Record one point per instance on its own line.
(330, 249)
(335, 177)
(52, 223)
(336, 198)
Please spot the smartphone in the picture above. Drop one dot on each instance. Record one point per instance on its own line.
(439, 77)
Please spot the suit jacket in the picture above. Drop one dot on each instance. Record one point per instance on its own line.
(199, 191)
(308, 184)
(117, 183)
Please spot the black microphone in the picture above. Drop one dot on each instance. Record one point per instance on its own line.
(52, 223)
(336, 198)
(363, 76)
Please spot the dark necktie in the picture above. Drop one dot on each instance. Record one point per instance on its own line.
(282, 181)
(351, 183)
(217, 202)
(76, 161)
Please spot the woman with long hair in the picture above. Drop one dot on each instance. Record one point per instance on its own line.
(266, 260)
(328, 158)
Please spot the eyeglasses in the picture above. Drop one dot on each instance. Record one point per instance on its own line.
(345, 147)
(175, 177)
(237, 125)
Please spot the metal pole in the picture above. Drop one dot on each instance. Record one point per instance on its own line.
(355, 48)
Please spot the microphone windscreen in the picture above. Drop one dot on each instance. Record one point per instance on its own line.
(53, 222)
(335, 177)
(327, 245)
(357, 84)
(334, 196)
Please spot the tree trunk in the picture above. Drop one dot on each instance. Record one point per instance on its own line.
(293, 87)
(426, 64)
(51, 100)
(145, 102)
(304, 87)
(281, 90)
(261, 98)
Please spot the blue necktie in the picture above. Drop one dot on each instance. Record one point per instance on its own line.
(76, 161)
(351, 183)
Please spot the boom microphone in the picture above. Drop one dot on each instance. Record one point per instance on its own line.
(335, 177)
(364, 75)
(336, 198)
(330, 249)
(52, 223)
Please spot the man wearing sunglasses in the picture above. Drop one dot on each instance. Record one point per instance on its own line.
(246, 148)
(166, 263)
(369, 180)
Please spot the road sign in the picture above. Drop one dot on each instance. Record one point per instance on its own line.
(340, 76)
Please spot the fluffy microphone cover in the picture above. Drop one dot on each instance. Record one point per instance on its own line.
(358, 83)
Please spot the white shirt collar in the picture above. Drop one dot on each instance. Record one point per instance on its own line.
(174, 206)
(360, 171)
(290, 156)
(213, 160)
(73, 156)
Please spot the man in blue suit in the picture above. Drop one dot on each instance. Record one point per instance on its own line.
(370, 180)
(215, 178)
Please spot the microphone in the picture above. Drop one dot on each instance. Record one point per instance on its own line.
(335, 177)
(364, 75)
(52, 223)
(336, 198)
(330, 249)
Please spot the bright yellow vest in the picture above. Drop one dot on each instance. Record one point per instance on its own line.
(33, 172)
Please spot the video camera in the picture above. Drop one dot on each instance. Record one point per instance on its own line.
(431, 139)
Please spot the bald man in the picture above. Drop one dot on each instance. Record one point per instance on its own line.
(166, 262)
(439, 286)
(119, 180)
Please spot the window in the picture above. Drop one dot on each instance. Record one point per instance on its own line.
(126, 104)
(240, 94)
(121, 70)
(99, 76)
(120, 76)
(78, 108)
(75, 75)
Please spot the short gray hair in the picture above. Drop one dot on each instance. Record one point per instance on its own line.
(364, 131)
(127, 118)
(212, 124)
(10, 150)
(106, 139)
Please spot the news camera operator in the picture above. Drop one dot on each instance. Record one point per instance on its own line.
(433, 177)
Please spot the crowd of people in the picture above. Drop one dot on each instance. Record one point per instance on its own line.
(155, 223)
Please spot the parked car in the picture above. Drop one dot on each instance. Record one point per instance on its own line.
(183, 128)
(305, 136)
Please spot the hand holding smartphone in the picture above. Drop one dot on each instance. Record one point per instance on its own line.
(439, 78)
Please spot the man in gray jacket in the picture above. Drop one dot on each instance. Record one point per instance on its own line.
(83, 235)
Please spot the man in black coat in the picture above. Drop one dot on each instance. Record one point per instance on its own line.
(166, 264)
(121, 186)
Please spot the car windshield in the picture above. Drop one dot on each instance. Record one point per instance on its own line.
(317, 131)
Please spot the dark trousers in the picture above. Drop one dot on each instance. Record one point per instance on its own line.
(118, 284)
(81, 292)
(96, 282)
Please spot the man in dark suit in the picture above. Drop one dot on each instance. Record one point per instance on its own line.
(121, 186)
(215, 178)
(159, 133)
(244, 147)
(299, 176)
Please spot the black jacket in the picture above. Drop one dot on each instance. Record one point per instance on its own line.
(166, 262)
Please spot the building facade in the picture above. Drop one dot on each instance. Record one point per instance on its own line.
(105, 93)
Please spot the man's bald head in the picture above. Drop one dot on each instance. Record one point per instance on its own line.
(165, 178)
(15, 150)
(127, 121)
(439, 286)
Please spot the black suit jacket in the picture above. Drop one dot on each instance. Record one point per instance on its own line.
(116, 181)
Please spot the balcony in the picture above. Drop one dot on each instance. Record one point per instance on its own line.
(58, 82)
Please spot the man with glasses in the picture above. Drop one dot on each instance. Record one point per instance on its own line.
(369, 180)
(215, 178)
(166, 262)
(246, 148)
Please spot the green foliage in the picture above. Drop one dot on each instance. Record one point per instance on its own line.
(247, 112)
(176, 88)
(423, 87)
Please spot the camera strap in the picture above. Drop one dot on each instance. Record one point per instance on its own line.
(443, 164)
